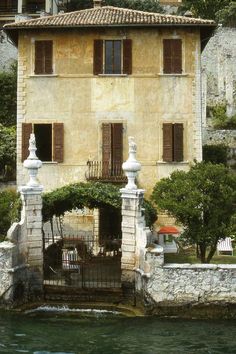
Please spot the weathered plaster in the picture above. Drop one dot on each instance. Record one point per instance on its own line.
(142, 101)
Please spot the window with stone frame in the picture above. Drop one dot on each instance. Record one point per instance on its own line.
(112, 57)
(172, 56)
(49, 141)
(173, 142)
(43, 57)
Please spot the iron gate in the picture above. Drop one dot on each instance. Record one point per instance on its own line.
(82, 261)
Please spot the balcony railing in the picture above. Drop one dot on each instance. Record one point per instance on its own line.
(103, 171)
(5, 10)
(33, 8)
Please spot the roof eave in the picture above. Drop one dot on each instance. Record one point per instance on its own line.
(12, 32)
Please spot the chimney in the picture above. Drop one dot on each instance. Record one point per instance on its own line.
(97, 3)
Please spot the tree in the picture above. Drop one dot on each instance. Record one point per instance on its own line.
(147, 5)
(8, 89)
(7, 152)
(227, 16)
(203, 8)
(202, 200)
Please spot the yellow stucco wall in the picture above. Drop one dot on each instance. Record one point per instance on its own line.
(142, 101)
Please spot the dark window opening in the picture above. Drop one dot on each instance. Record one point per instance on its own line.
(112, 57)
(43, 136)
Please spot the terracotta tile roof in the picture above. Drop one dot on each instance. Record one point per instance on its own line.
(108, 16)
(168, 230)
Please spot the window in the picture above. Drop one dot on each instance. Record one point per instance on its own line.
(112, 148)
(173, 142)
(43, 57)
(172, 56)
(112, 57)
(49, 141)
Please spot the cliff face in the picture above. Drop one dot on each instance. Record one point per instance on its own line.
(218, 65)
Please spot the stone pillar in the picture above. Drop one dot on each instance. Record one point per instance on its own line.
(19, 6)
(131, 215)
(32, 240)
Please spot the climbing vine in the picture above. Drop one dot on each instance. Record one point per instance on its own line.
(90, 195)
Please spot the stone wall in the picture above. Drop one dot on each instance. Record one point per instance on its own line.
(186, 287)
(219, 69)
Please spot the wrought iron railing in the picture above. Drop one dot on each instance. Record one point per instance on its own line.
(8, 9)
(104, 171)
(33, 8)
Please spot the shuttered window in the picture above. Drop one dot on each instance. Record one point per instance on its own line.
(112, 57)
(43, 57)
(173, 142)
(172, 56)
(112, 148)
(49, 141)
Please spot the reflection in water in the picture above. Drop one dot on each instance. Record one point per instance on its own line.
(65, 332)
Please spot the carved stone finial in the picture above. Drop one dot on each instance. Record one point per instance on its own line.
(32, 163)
(131, 166)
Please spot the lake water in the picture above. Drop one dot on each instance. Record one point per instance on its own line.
(63, 332)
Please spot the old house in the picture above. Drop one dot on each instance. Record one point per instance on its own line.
(89, 79)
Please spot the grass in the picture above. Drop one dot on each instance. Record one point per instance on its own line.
(189, 256)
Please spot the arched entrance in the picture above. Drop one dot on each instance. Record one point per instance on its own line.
(85, 260)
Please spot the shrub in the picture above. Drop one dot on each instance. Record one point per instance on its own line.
(215, 153)
(220, 119)
(9, 210)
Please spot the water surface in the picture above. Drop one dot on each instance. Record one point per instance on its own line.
(91, 333)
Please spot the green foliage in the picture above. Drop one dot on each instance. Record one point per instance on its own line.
(216, 153)
(7, 152)
(91, 195)
(147, 5)
(9, 210)
(203, 8)
(8, 88)
(227, 16)
(202, 200)
(220, 119)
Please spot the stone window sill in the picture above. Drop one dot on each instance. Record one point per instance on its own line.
(173, 74)
(43, 75)
(112, 75)
(49, 162)
(172, 163)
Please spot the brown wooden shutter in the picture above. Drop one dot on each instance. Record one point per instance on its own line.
(43, 57)
(127, 56)
(167, 142)
(39, 57)
(48, 56)
(177, 56)
(178, 142)
(106, 148)
(117, 147)
(98, 57)
(166, 56)
(58, 142)
(26, 131)
(172, 56)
